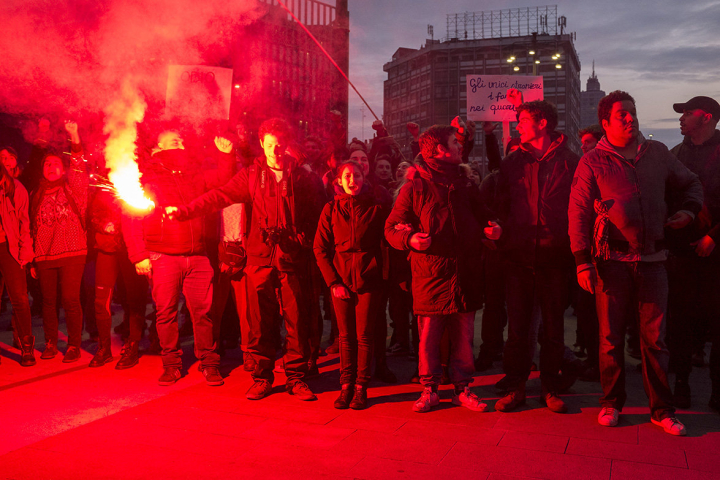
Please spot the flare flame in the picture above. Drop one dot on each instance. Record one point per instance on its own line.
(122, 117)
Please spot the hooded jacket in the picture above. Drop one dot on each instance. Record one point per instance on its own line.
(16, 224)
(531, 202)
(173, 177)
(704, 161)
(446, 278)
(633, 194)
(348, 241)
(282, 216)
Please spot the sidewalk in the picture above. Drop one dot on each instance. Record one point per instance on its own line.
(70, 421)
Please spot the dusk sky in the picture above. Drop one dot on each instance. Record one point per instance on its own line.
(661, 52)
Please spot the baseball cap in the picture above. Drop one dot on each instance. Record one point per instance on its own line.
(706, 104)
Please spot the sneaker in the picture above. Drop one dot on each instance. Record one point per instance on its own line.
(72, 355)
(279, 368)
(50, 351)
(469, 400)
(169, 376)
(346, 394)
(427, 400)
(671, 425)
(511, 400)
(608, 416)
(301, 390)
(212, 376)
(681, 396)
(260, 389)
(554, 403)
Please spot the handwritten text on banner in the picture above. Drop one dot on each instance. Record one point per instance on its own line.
(486, 95)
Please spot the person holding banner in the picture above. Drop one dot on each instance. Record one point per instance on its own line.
(531, 203)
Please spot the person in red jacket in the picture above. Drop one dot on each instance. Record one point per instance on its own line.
(348, 252)
(173, 254)
(437, 216)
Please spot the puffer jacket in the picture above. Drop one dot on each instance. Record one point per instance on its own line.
(291, 208)
(348, 242)
(633, 193)
(446, 278)
(704, 161)
(173, 177)
(531, 203)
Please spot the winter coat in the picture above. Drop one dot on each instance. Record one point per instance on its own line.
(531, 203)
(631, 202)
(16, 224)
(283, 216)
(446, 278)
(348, 242)
(172, 177)
(704, 161)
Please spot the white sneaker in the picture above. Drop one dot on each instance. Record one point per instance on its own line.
(671, 425)
(469, 400)
(608, 416)
(427, 400)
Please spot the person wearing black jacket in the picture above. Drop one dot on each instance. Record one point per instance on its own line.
(694, 264)
(531, 203)
(173, 253)
(284, 206)
(348, 252)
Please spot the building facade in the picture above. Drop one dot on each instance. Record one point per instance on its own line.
(428, 85)
(280, 72)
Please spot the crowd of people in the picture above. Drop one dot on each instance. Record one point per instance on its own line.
(325, 230)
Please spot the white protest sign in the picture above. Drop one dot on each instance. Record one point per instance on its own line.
(199, 91)
(486, 96)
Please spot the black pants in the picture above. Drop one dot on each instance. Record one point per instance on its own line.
(523, 284)
(271, 292)
(70, 277)
(694, 296)
(356, 317)
(108, 267)
(15, 280)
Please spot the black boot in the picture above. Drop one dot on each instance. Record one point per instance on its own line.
(359, 401)
(128, 357)
(346, 395)
(28, 351)
(103, 355)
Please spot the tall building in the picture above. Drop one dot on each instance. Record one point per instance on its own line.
(589, 100)
(427, 85)
(280, 72)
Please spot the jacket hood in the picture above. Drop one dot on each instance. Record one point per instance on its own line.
(558, 140)
(604, 144)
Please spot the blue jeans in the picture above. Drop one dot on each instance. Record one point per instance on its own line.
(193, 276)
(640, 288)
(461, 329)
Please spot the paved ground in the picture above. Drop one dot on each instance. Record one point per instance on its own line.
(70, 421)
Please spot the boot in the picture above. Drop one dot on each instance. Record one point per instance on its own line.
(128, 357)
(359, 400)
(346, 396)
(103, 355)
(28, 351)
(50, 350)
